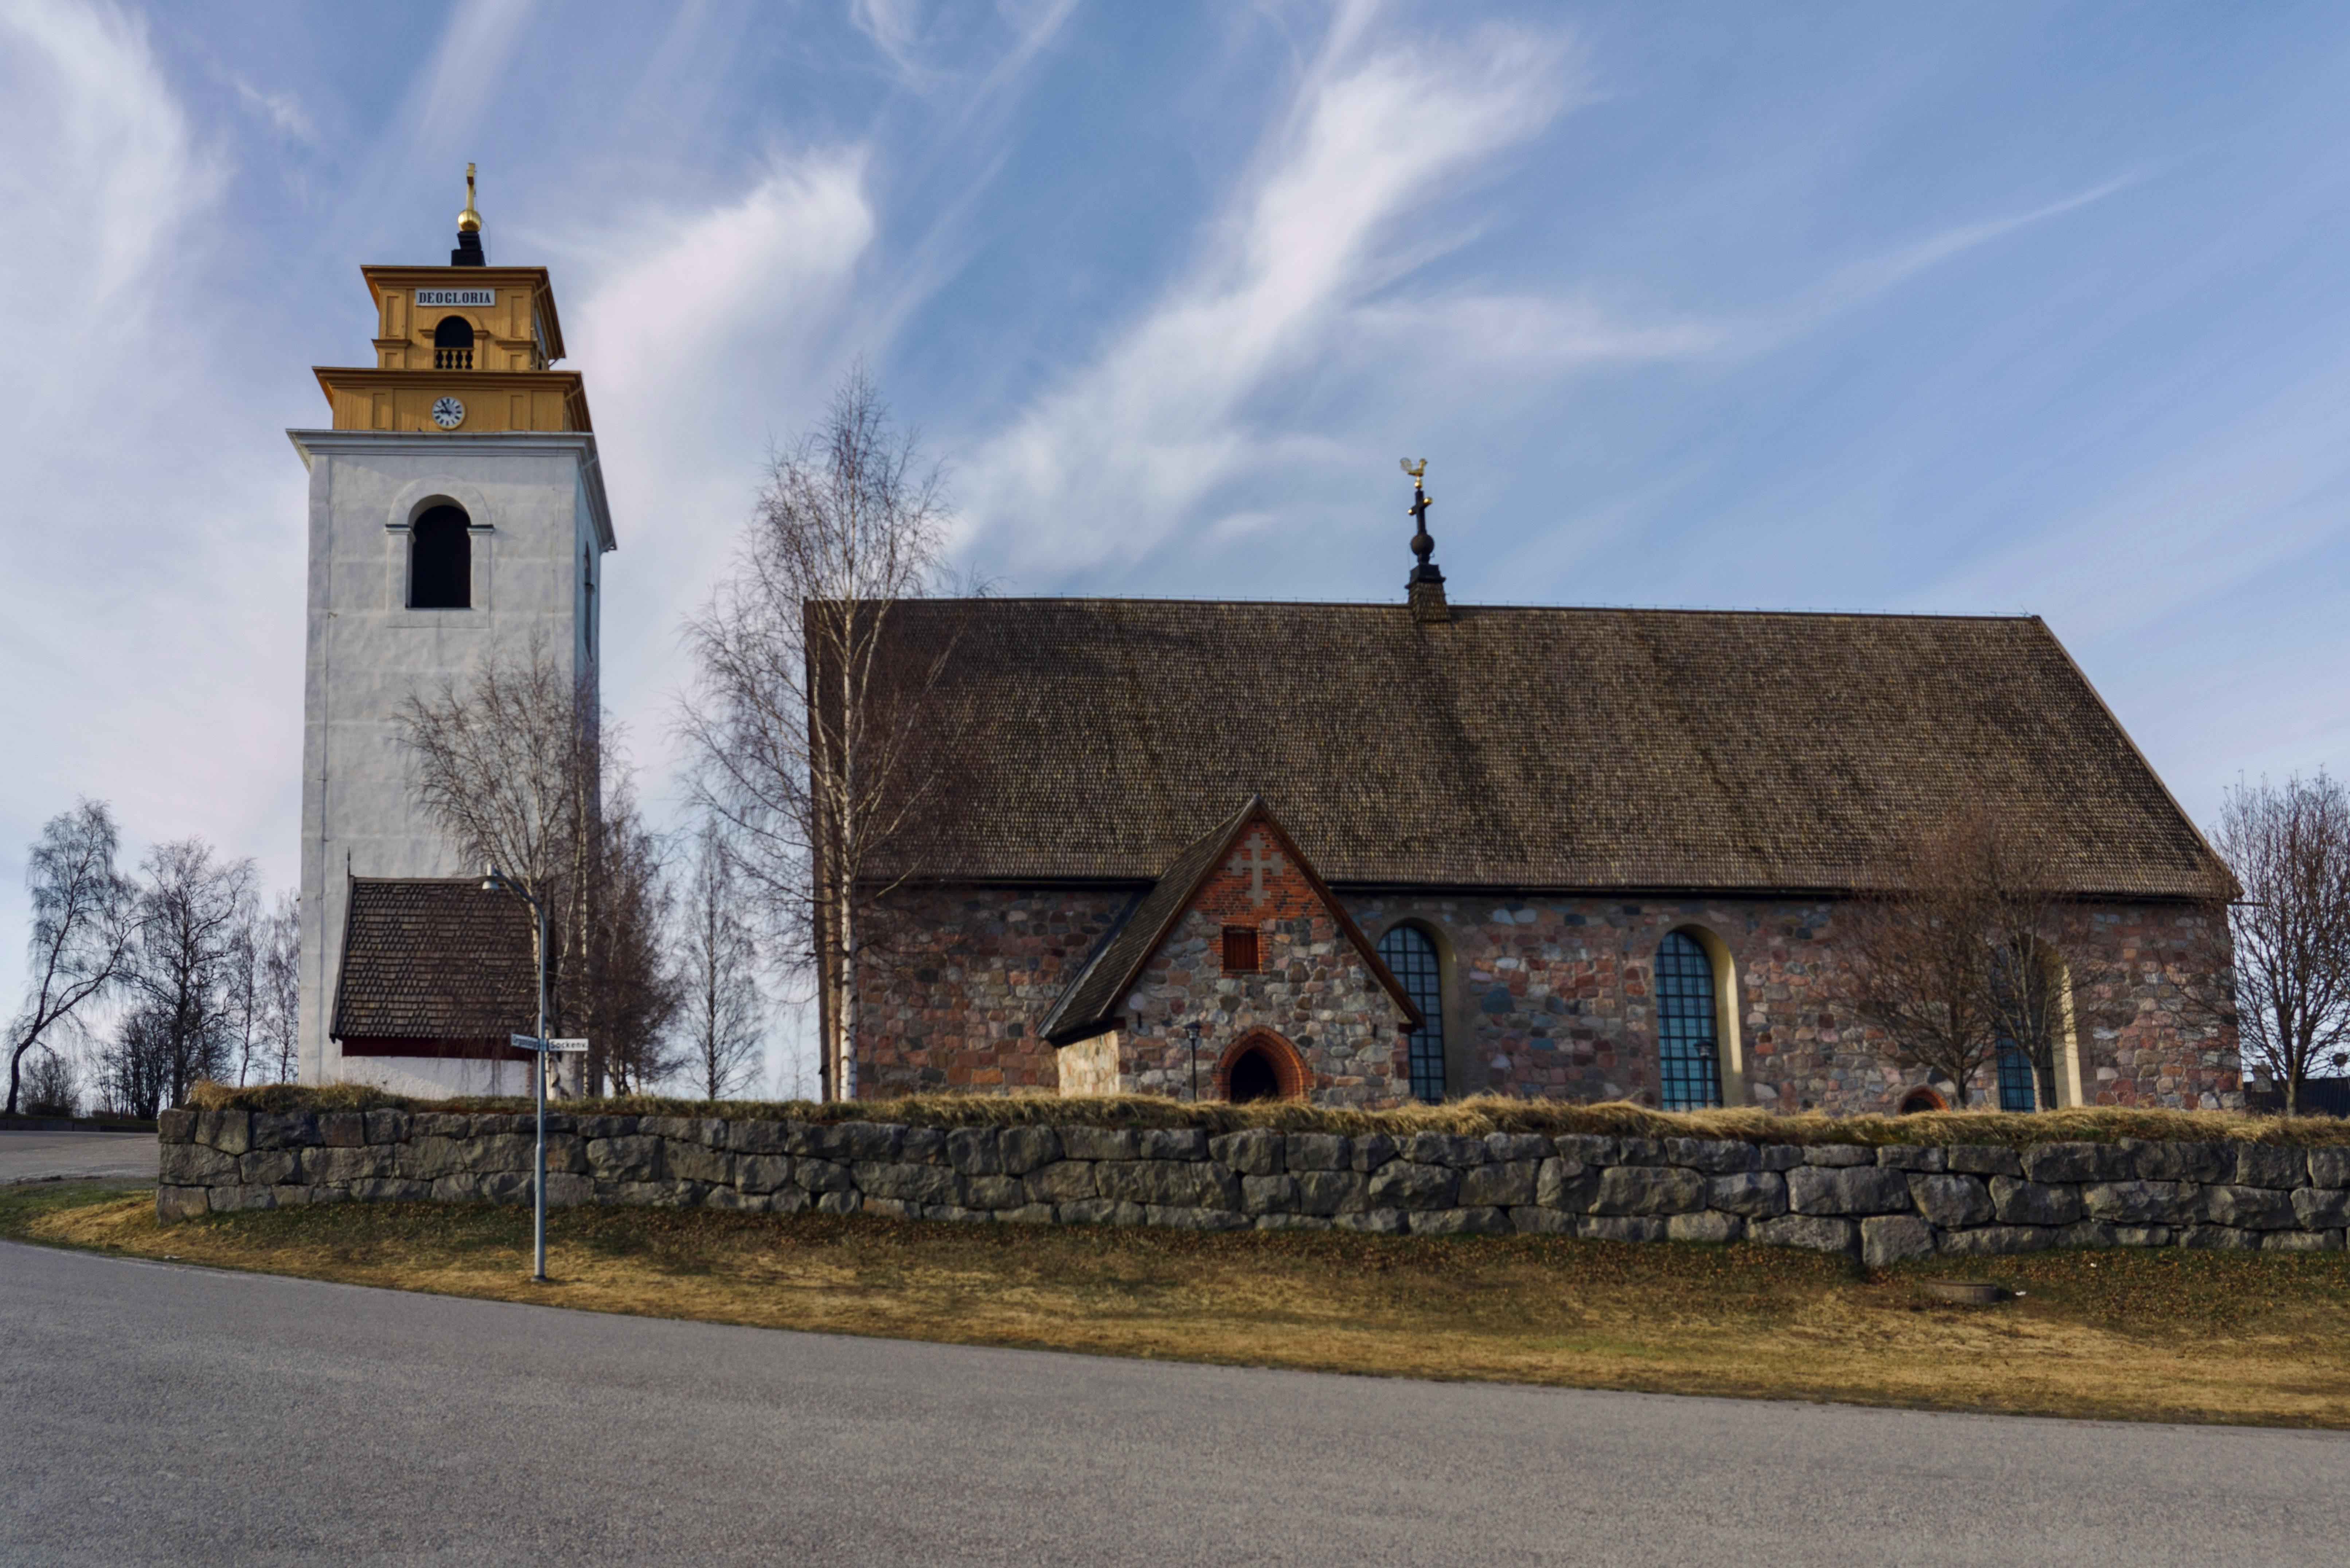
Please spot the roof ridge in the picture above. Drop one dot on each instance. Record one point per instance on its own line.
(1169, 601)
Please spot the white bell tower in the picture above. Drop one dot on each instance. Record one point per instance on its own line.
(456, 515)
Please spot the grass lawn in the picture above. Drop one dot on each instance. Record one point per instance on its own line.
(2147, 1336)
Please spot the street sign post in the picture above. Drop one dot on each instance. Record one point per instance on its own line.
(542, 1049)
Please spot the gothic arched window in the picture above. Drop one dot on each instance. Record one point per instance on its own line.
(452, 344)
(1689, 1046)
(440, 561)
(2017, 1089)
(1410, 954)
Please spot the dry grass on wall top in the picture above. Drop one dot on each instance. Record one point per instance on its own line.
(1474, 1117)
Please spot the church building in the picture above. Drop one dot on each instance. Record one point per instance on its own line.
(1358, 855)
(1362, 854)
(456, 515)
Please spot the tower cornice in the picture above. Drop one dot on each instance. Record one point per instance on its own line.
(313, 444)
(369, 398)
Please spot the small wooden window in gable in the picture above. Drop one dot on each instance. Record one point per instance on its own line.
(1240, 949)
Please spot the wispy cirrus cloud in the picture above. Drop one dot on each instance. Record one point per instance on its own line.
(908, 35)
(107, 168)
(141, 669)
(282, 110)
(1159, 418)
(695, 345)
(1857, 282)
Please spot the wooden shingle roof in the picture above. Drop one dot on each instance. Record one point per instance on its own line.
(436, 959)
(1526, 749)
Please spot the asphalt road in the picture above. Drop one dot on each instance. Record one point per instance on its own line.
(38, 1156)
(151, 1413)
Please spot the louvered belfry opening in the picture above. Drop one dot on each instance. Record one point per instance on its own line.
(1240, 949)
(452, 344)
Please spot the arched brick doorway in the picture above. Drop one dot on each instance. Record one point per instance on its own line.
(1923, 1099)
(1261, 1066)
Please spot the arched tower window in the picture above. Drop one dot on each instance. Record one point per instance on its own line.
(1688, 1045)
(440, 561)
(1410, 954)
(452, 344)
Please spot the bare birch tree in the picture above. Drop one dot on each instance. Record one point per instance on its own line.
(722, 1022)
(84, 920)
(815, 721)
(2289, 848)
(268, 993)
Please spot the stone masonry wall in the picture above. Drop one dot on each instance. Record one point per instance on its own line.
(1549, 997)
(1882, 1205)
(956, 978)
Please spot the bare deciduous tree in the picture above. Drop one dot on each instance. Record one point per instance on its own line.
(52, 1086)
(268, 994)
(512, 761)
(508, 762)
(83, 923)
(2289, 848)
(630, 992)
(134, 1070)
(2031, 989)
(194, 912)
(1959, 954)
(1918, 966)
(815, 721)
(719, 956)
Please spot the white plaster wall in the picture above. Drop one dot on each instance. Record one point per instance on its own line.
(540, 529)
(425, 1077)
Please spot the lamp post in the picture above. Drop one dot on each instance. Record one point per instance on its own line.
(492, 881)
(1195, 1061)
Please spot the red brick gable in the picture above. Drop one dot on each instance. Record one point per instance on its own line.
(1257, 882)
(1248, 871)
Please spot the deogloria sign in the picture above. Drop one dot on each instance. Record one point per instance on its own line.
(456, 296)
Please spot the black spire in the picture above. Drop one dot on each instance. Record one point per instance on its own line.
(1424, 587)
(469, 252)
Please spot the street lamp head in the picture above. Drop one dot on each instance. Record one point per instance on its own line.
(491, 880)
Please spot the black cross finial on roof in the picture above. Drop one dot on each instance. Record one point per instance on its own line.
(1426, 584)
(1422, 545)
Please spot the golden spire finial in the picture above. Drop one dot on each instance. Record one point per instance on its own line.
(469, 220)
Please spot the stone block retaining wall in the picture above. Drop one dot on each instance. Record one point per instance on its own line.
(1882, 1204)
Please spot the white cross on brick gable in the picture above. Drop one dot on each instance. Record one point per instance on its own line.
(1256, 861)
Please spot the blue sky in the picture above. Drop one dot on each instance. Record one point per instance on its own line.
(1961, 308)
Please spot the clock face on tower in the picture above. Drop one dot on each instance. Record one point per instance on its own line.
(448, 413)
